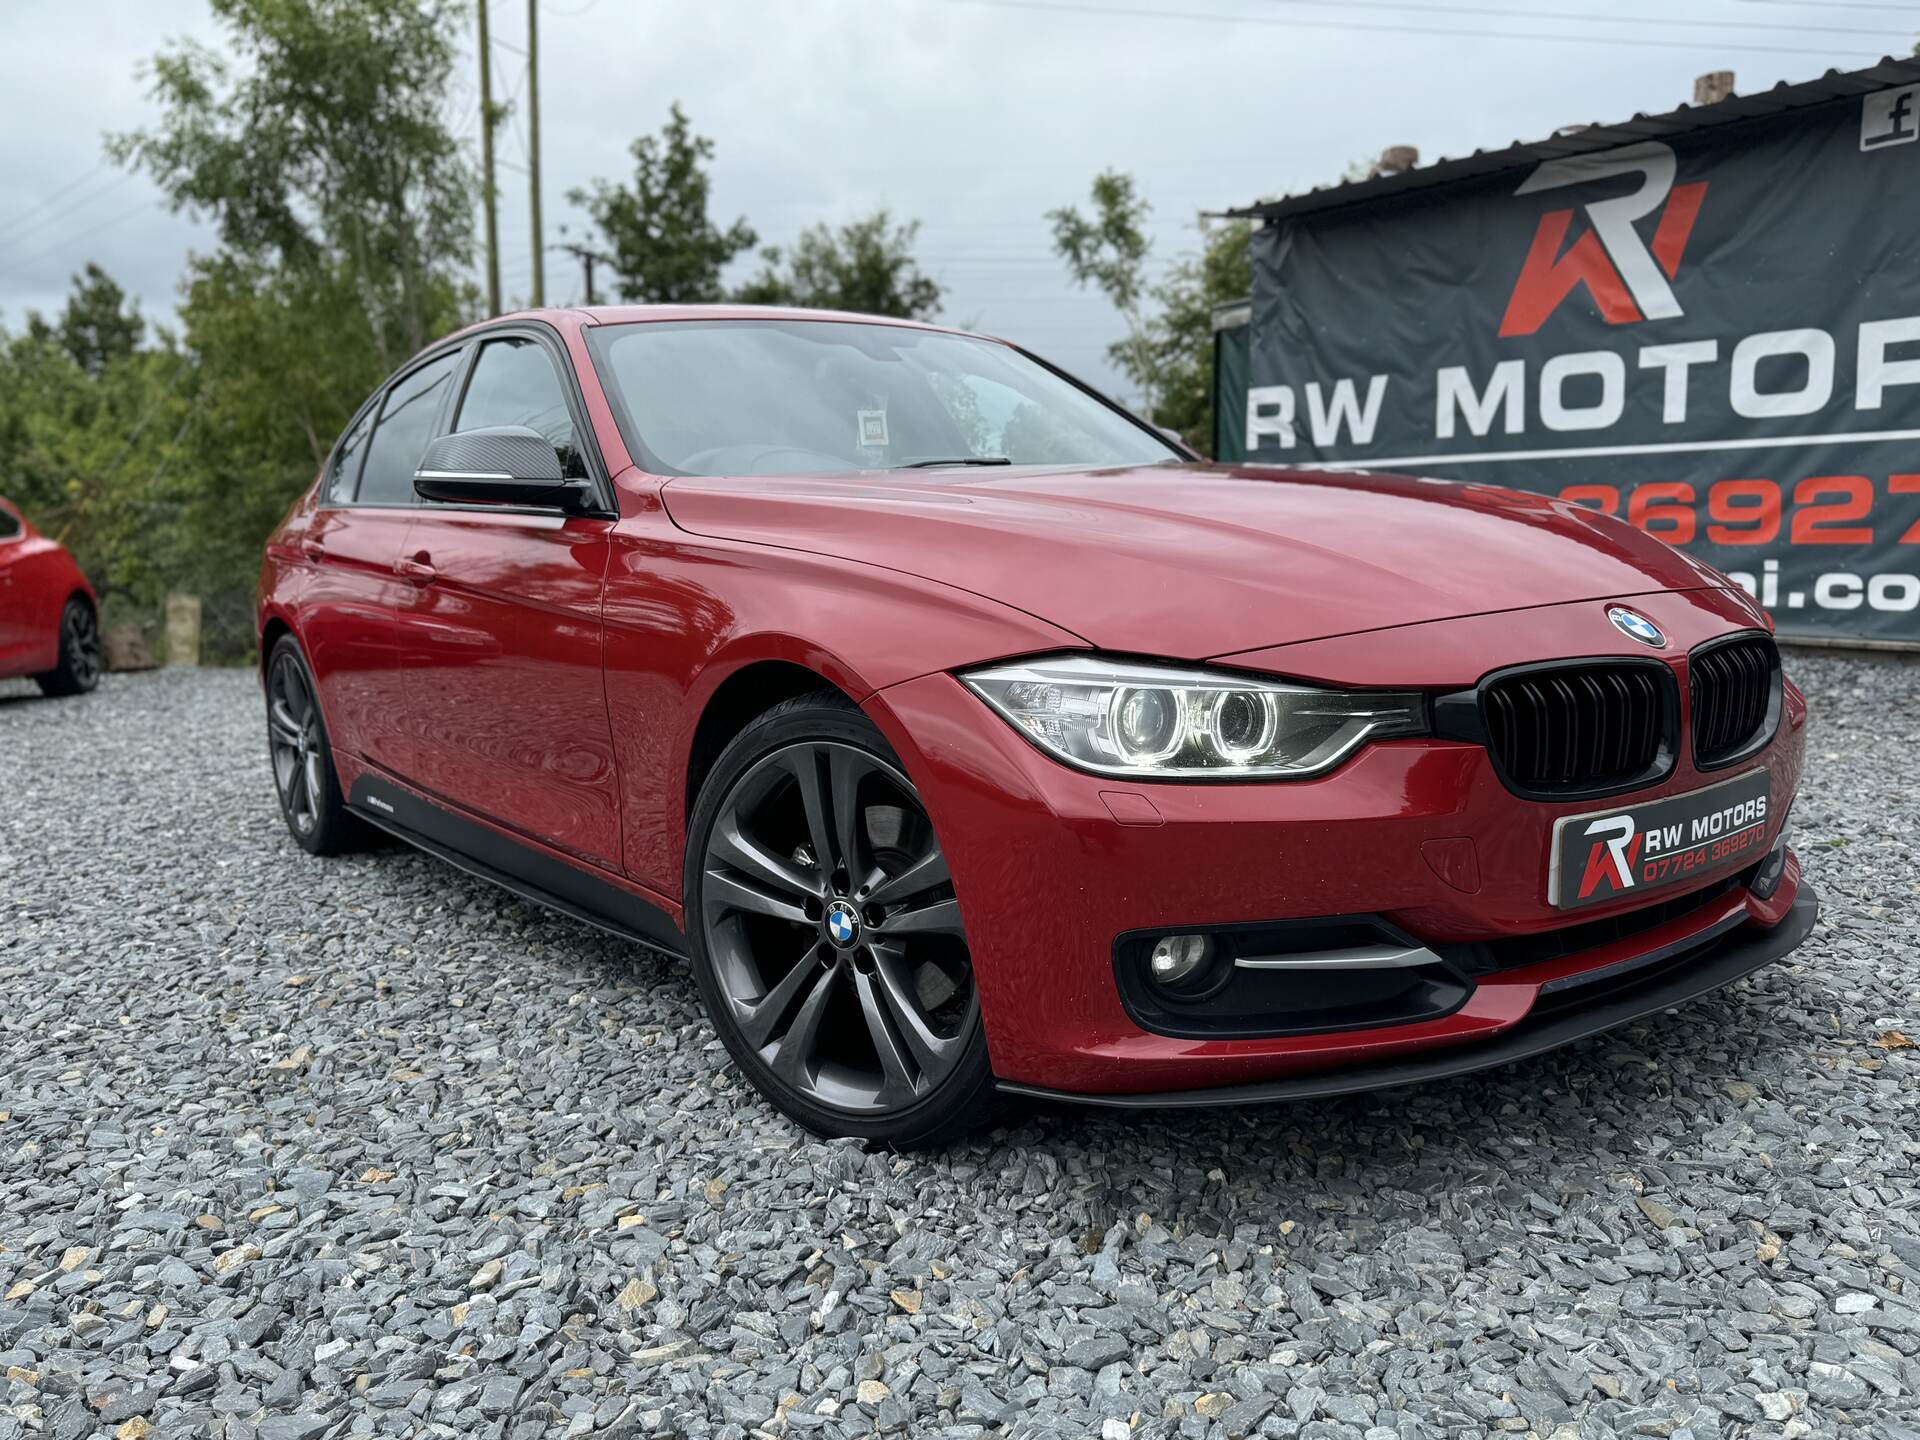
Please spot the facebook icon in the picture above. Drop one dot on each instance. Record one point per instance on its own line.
(1891, 117)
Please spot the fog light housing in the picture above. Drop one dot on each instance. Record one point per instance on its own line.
(1767, 878)
(1283, 977)
(1186, 966)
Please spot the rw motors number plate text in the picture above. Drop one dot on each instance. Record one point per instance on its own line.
(1606, 854)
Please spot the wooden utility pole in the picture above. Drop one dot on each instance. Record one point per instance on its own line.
(586, 256)
(486, 165)
(533, 148)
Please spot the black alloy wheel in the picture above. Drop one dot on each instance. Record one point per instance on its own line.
(826, 934)
(303, 774)
(79, 667)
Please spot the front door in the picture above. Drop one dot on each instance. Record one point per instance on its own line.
(506, 708)
(354, 590)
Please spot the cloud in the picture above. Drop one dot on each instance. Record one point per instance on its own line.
(974, 119)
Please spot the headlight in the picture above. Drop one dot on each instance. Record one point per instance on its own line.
(1119, 717)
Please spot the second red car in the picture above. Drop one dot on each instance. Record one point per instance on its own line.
(49, 616)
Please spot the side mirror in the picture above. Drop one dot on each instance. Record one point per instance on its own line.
(498, 465)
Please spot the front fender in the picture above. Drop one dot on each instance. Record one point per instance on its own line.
(685, 613)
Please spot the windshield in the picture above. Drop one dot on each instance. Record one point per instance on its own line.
(771, 397)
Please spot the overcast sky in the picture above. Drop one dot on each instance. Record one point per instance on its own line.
(973, 116)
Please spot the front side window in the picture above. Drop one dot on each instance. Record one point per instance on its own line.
(768, 397)
(406, 424)
(344, 474)
(515, 383)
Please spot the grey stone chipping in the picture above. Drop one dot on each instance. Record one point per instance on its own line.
(296, 1148)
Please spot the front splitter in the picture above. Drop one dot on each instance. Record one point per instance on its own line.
(1740, 952)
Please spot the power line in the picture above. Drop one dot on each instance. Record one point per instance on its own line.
(82, 203)
(1584, 17)
(61, 193)
(1107, 12)
(91, 231)
(1840, 5)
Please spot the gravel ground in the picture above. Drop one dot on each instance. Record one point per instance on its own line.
(293, 1148)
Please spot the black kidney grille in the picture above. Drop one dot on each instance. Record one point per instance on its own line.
(1733, 695)
(1575, 728)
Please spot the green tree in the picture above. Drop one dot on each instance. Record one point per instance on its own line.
(665, 249)
(284, 360)
(85, 454)
(97, 325)
(322, 147)
(1180, 335)
(865, 265)
(1107, 249)
(1167, 352)
(343, 208)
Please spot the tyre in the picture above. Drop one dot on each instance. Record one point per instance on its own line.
(79, 667)
(825, 935)
(310, 801)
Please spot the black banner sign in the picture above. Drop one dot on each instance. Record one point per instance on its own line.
(1716, 337)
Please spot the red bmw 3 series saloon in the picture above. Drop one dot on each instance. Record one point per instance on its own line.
(969, 737)
(49, 620)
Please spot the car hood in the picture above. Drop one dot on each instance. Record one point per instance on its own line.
(1197, 561)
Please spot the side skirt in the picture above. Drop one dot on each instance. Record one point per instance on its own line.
(527, 872)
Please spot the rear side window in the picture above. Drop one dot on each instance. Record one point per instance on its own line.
(515, 383)
(406, 425)
(345, 473)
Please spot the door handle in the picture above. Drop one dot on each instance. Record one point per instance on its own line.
(418, 568)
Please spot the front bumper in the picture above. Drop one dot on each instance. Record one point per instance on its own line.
(1617, 1000)
(1051, 865)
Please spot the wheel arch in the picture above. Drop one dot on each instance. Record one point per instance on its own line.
(746, 693)
(270, 633)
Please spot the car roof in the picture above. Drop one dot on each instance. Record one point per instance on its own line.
(594, 315)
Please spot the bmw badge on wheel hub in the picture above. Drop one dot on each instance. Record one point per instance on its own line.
(843, 924)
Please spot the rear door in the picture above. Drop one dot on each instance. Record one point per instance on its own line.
(351, 603)
(501, 643)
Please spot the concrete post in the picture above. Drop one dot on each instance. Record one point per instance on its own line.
(183, 629)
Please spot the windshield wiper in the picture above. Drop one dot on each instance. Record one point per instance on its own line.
(963, 460)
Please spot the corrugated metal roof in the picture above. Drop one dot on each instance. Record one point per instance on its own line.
(1834, 85)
